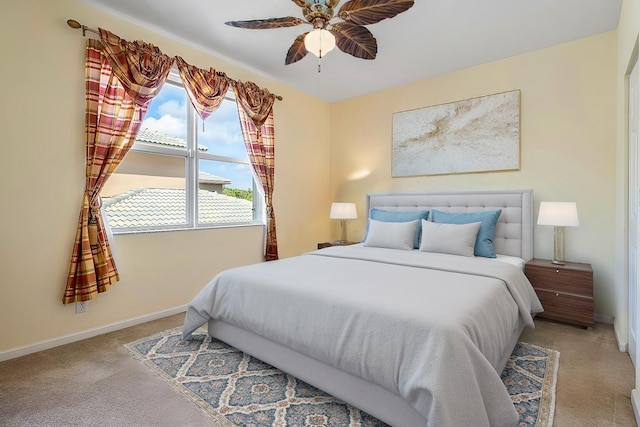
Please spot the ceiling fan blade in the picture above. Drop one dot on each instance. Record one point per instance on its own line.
(302, 3)
(355, 40)
(297, 51)
(365, 12)
(261, 24)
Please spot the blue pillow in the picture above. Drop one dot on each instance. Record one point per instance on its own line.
(488, 219)
(400, 216)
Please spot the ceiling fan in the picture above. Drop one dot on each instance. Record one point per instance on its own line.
(349, 35)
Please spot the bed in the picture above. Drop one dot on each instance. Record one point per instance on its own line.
(413, 337)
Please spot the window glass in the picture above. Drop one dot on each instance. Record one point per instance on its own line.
(225, 193)
(221, 133)
(167, 113)
(135, 197)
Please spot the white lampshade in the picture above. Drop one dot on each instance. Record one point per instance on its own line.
(343, 211)
(559, 214)
(319, 42)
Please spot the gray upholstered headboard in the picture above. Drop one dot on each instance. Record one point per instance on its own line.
(514, 231)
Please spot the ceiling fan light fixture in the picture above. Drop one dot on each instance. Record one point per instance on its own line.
(319, 42)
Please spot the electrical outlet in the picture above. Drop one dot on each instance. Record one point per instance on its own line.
(81, 307)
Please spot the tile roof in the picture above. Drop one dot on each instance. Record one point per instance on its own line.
(150, 136)
(145, 207)
(209, 178)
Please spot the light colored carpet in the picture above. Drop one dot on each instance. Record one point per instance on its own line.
(236, 389)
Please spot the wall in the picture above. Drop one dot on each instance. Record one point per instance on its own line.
(42, 181)
(567, 144)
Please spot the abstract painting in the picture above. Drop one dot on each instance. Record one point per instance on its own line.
(475, 135)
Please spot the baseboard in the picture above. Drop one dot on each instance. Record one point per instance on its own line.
(622, 341)
(602, 318)
(635, 402)
(67, 339)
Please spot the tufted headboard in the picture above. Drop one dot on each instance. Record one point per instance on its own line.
(514, 231)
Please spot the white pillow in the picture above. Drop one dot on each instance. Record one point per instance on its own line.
(392, 235)
(455, 239)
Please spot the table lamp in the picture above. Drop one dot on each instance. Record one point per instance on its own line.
(343, 211)
(560, 215)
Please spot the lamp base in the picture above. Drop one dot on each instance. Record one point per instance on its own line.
(343, 230)
(558, 246)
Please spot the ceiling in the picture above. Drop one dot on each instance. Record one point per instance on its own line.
(433, 37)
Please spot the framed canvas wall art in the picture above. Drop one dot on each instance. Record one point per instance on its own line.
(474, 135)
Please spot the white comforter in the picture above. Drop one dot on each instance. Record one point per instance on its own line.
(432, 328)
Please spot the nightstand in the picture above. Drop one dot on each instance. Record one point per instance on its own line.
(335, 243)
(565, 291)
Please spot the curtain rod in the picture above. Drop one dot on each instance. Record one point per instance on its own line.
(78, 26)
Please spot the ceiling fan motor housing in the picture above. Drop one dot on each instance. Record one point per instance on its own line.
(318, 13)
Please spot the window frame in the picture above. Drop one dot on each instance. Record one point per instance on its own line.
(192, 156)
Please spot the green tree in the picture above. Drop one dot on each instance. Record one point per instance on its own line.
(238, 193)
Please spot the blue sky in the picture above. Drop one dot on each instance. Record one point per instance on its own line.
(222, 134)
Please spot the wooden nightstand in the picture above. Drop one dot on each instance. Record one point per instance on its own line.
(565, 291)
(334, 243)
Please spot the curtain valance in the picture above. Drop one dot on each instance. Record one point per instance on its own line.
(141, 67)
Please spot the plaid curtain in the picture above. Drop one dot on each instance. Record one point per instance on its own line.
(140, 67)
(121, 78)
(255, 108)
(206, 89)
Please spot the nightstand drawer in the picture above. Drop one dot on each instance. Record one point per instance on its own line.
(566, 307)
(558, 279)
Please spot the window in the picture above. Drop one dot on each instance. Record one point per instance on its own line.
(182, 172)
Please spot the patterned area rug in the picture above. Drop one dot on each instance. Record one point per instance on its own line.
(239, 390)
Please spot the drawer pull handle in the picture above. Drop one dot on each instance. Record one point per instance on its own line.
(557, 271)
(557, 294)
